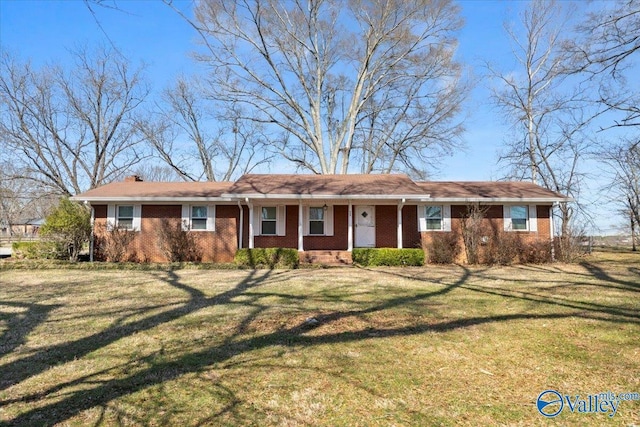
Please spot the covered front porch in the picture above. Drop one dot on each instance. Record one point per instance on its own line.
(328, 225)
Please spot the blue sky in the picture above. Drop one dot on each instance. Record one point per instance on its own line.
(152, 33)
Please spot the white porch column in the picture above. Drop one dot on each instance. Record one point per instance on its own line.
(350, 227)
(300, 228)
(400, 205)
(251, 231)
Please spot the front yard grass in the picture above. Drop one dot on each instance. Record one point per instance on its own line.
(408, 346)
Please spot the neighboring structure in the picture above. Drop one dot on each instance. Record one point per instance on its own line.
(314, 213)
(22, 228)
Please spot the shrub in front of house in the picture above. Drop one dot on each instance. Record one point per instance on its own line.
(177, 244)
(113, 244)
(39, 250)
(267, 258)
(443, 248)
(536, 252)
(503, 248)
(68, 226)
(392, 257)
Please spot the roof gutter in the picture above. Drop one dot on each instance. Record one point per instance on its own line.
(156, 199)
(235, 198)
(328, 196)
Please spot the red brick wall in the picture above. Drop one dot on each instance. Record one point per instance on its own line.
(339, 240)
(220, 246)
(493, 223)
(215, 246)
(386, 226)
(410, 233)
(290, 240)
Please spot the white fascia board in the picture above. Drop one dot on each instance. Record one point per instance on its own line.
(156, 200)
(261, 196)
(533, 200)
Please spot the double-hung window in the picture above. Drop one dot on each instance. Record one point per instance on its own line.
(268, 220)
(519, 218)
(316, 220)
(434, 218)
(433, 215)
(124, 218)
(198, 219)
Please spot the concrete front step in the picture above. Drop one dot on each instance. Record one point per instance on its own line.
(326, 257)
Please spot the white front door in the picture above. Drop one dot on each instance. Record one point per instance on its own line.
(365, 236)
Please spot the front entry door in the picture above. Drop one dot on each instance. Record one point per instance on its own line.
(365, 236)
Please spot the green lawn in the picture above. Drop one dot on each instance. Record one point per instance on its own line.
(416, 346)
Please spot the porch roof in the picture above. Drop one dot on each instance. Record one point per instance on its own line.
(289, 186)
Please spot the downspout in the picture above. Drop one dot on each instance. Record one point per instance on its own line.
(92, 236)
(241, 225)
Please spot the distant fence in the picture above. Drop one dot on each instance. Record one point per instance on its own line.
(586, 244)
(17, 238)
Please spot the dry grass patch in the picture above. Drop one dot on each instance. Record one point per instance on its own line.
(420, 346)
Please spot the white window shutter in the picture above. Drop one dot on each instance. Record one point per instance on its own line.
(446, 218)
(533, 218)
(328, 221)
(422, 218)
(211, 218)
(305, 220)
(111, 216)
(137, 217)
(281, 220)
(186, 217)
(506, 214)
(257, 220)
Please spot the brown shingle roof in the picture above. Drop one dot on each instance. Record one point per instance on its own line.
(150, 190)
(338, 185)
(486, 190)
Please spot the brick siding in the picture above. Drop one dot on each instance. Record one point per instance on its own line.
(493, 224)
(220, 245)
(215, 246)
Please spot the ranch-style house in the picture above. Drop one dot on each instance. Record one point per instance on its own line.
(322, 216)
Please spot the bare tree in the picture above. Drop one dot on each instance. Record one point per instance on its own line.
(624, 188)
(72, 130)
(201, 139)
(608, 42)
(20, 199)
(368, 80)
(550, 112)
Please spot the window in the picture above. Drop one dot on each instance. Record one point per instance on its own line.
(124, 217)
(198, 218)
(268, 223)
(433, 215)
(434, 218)
(316, 220)
(519, 217)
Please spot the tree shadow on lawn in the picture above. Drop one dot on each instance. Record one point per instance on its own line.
(600, 274)
(74, 402)
(20, 324)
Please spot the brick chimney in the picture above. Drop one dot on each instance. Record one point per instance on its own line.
(133, 178)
